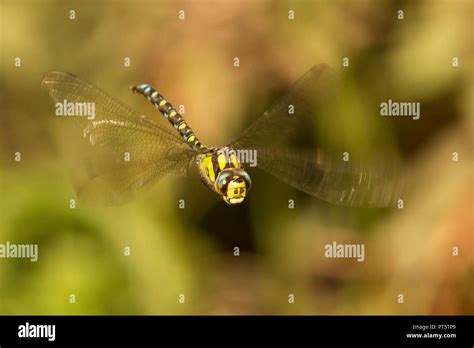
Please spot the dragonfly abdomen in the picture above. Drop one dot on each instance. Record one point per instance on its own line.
(170, 113)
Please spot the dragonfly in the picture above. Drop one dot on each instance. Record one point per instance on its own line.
(155, 151)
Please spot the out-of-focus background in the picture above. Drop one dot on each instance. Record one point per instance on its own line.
(409, 251)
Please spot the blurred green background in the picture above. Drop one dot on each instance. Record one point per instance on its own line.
(191, 251)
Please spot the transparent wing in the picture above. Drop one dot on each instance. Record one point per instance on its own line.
(291, 114)
(356, 183)
(361, 183)
(131, 150)
(109, 180)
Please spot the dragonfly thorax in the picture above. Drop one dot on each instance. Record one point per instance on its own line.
(222, 172)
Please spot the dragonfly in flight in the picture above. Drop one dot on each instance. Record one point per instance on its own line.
(156, 151)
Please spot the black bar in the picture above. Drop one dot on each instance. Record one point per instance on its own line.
(238, 329)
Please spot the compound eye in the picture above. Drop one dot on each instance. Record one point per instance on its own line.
(248, 181)
(223, 180)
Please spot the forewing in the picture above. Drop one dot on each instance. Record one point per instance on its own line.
(291, 114)
(131, 150)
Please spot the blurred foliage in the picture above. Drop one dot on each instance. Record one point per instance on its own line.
(190, 251)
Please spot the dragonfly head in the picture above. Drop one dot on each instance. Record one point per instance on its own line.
(233, 185)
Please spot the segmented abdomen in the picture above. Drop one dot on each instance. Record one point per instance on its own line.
(170, 113)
